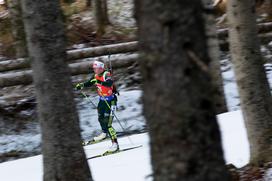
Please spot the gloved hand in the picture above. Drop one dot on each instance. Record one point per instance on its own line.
(94, 81)
(79, 86)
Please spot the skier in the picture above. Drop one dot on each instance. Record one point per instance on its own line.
(107, 102)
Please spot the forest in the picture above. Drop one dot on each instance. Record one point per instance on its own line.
(76, 74)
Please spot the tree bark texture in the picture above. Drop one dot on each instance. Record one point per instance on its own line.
(250, 75)
(25, 77)
(63, 156)
(262, 28)
(178, 94)
(105, 12)
(214, 53)
(100, 17)
(18, 31)
(76, 54)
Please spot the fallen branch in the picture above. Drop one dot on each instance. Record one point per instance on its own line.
(25, 77)
(75, 54)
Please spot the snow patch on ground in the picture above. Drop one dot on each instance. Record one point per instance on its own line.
(234, 138)
(22, 142)
(129, 115)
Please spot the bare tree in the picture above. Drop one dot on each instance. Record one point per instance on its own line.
(63, 156)
(18, 32)
(178, 94)
(250, 75)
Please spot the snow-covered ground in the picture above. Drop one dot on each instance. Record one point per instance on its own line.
(129, 113)
(134, 165)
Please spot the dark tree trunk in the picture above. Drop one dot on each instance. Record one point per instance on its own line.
(88, 3)
(101, 16)
(18, 32)
(63, 156)
(68, 1)
(5, 4)
(178, 94)
(105, 12)
(251, 79)
(214, 53)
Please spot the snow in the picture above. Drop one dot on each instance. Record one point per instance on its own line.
(234, 138)
(27, 142)
(128, 113)
(134, 165)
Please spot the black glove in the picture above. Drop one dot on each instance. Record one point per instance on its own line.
(79, 86)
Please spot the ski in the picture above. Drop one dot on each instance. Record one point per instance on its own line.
(90, 142)
(107, 153)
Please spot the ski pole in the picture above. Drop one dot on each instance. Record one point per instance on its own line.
(82, 93)
(110, 109)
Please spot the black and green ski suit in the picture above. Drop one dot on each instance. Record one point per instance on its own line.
(107, 104)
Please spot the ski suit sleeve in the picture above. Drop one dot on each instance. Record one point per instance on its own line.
(89, 83)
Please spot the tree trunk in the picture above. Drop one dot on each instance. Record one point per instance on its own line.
(101, 16)
(5, 4)
(88, 3)
(251, 79)
(105, 12)
(262, 28)
(18, 32)
(76, 54)
(25, 77)
(213, 48)
(178, 94)
(68, 1)
(63, 155)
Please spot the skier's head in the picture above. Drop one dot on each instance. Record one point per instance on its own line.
(98, 67)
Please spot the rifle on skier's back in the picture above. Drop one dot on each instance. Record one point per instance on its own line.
(114, 90)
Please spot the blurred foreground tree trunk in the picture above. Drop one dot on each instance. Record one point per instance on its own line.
(63, 156)
(18, 31)
(251, 79)
(214, 53)
(178, 93)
